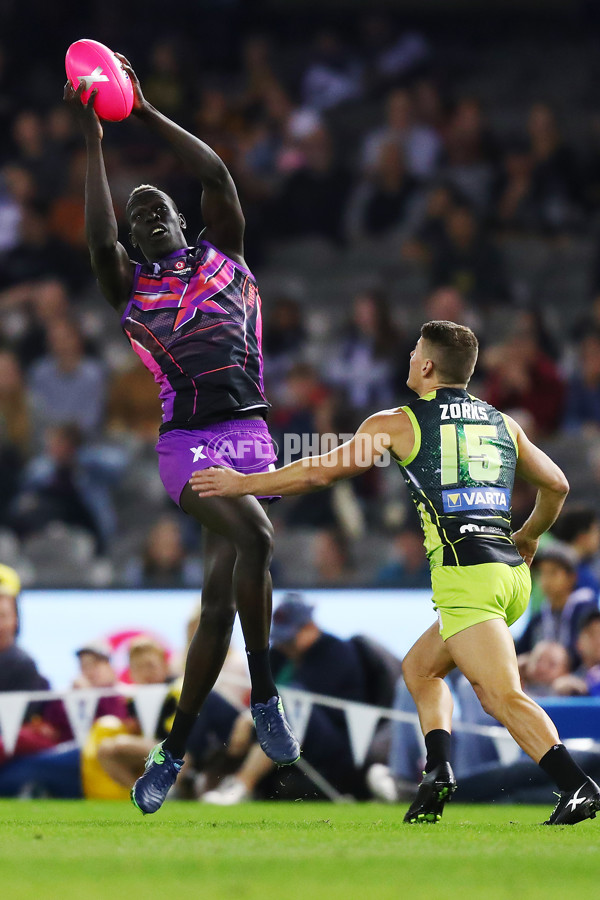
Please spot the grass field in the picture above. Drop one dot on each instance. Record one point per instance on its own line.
(60, 850)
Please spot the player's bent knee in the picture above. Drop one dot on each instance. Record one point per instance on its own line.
(416, 670)
(219, 618)
(487, 702)
(497, 701)
(407, 670)
(258, 540)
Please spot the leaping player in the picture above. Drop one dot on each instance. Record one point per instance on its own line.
(459, 457)
(192, 315)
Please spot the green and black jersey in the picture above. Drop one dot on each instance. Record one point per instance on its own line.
(460, 475)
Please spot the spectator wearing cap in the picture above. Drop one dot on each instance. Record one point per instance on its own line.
(18, 671)
(579, 527)
(563, 606)
(96, 671)
(305, 657)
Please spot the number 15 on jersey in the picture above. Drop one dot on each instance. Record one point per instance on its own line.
(472, 449)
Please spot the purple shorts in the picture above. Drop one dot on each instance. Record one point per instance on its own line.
(244, 445)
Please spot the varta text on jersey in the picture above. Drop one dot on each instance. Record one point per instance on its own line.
(476, 498)
(460, 475)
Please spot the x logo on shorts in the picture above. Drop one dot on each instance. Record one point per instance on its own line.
(198, 452)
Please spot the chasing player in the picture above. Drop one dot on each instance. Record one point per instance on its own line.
(192, 314)
(459, 457)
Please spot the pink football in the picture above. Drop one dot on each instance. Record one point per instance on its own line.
(98, 67)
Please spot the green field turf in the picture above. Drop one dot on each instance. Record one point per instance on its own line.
(60, 850)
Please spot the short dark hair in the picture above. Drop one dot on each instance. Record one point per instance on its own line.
(456, 348)
(592, 616)
(559, 553)
(141, 189)
(574, 521)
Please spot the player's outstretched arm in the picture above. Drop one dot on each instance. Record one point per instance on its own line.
(538, 469)
(221, 208)
(110, 261)
(312, 473)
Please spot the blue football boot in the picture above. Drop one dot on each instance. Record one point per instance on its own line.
(274, 734)
(151, 788)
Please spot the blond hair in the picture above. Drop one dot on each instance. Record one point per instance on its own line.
(144, 643)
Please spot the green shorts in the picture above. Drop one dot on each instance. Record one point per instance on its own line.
(467, 595)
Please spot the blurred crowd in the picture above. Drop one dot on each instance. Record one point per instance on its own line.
(380, 190)
(59, 752)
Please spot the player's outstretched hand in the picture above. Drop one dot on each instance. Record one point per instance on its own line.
(139, 101)
(84, 112)
(526, 545)
(216, 482)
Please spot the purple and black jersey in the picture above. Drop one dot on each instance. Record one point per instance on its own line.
(194, 319)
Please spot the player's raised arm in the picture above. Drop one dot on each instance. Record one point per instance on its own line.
(221, 208)
(377, 434)
(538, 469)
(110, 261)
